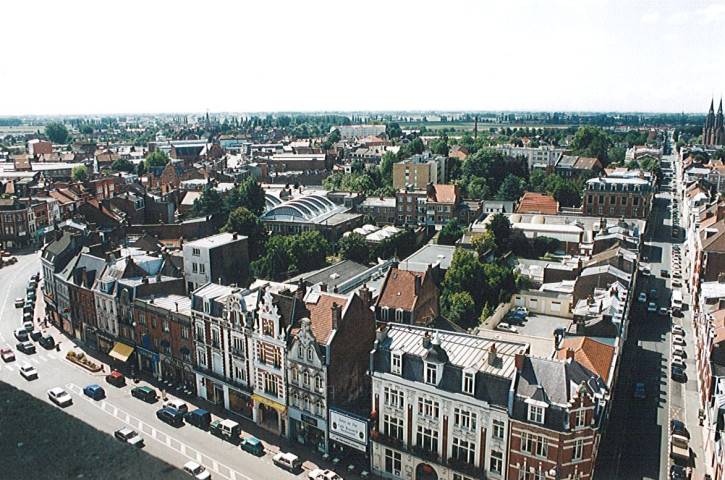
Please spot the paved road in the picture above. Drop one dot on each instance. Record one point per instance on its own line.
(173, 445)
(635, 445)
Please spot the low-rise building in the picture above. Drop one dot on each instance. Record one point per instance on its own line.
(222, 258)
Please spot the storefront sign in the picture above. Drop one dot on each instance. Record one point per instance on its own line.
(308, 419)
(348, 430)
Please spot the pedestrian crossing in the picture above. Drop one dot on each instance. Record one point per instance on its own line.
(36, 359)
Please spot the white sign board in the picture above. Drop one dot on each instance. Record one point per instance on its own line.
(348, 430)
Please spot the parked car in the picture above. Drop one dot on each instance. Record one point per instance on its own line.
(19, 302)
(60, 397)
(664, 273)
(26, 347)
(678, 374)
(197, 471)
(653, 294)
(129, 436)
(47, 341)
(639, 392)
(678, 330)
(21, 334)
(228, 430)
(146, 394)
(28, 326)
(28, 371)
(676, 282)
(677, 361)
(320, 474)
(7, 354)
(678, 472)
(94, 391)
(514, 318)
(522, 310)
(642, 298)
(664, 311)
(176, 404)
(678, 428)
(678, 350)
(200, 418)
(171, 416)
(506, 327)
(678, 340)
(652, 307)
(36, 335)
(288, 461)
(116, 379)
(252, 445)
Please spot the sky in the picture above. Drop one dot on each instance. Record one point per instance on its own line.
(156, 56)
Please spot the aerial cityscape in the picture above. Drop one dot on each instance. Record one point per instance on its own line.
(498, 254)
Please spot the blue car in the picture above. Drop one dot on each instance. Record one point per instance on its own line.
(94, 391)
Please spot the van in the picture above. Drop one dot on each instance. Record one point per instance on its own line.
(200, 418)
(47, 341)
(228, 430)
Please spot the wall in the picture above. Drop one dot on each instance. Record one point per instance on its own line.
(544, 303)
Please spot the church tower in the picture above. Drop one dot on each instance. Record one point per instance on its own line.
(718, 137)
(709, 124)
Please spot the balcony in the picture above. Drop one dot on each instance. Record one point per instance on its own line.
(238, 352)
(211, 373)
(388, 440)
(468, 469)
(427, 454)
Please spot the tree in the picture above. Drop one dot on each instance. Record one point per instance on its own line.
(478, 189)
(157, 159)
(334, 136)
(543, 245)
(56, 132)
(252, 196)
(79, 174)
(450, 233)
(616, 155)
(460, 308)
(85, 129)
(244, 222)
(484, 242)
(511, 188)
(122, 165)
(438, 146)
(591, 142)
(500, 226)
(354, 247)
(567, 194)
(393, 130)
(209, 203)
(536, 180)
(386, 167)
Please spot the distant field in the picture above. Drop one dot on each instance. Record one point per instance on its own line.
(20, 130)
(468, 126)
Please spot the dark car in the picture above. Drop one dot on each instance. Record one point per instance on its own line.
(129, 436)
(653, 294)
(94, 391)
(26, 347)
(678, 428)
(200, 418)
(116, 379)
(171, 416)
(678, 473)
(252, 445)
(678, 374)
(664, 273)
(36, 335)
(146, 394)
(47, 341)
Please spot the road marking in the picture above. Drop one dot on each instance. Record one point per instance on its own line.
(198, 457)
(9, 367)
(168, 440)
(43, 359)
(32, 359)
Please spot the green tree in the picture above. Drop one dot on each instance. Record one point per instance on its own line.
(460, 308)
(244, 222)
(591, 142)
(511, 188)
(543, 245)
(334, 136)
(157, 159)
(354, 247)
(122, 165)
(500, 227)
(86, 129)
(141, 168)
(616, 155)
(450, 233)
(536, 180)
(478, 189)
(56, 132)
(209, 203)
(438, 146)
(567, 194)
(386, 167)
(79, 174)
(484, 242)
(275, 263)
(393, 130)
(252, 196)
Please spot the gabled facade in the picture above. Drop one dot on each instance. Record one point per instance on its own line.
(408, 297)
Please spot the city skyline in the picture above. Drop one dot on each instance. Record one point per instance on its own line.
(600, 56)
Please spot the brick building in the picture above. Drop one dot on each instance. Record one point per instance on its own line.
(627, 195)
(418, 171)
(434, 207)
(408, 297)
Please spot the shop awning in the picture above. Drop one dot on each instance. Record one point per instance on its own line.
(121, 351)
(270, 403)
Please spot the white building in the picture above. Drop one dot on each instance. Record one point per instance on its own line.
(221, 258)
(543, 157)
(440, 400)
(359, 131)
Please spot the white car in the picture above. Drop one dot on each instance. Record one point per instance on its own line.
(652, 307)
(678, 340)
(320, 474)
(506, 327)
(678, 351)
(197, 471)
(523, 310)
(60, 397)
(28, 371)
(677, 361)
(288, 461)
(642, 297)
(678, 330)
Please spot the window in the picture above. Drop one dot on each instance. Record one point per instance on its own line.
(398, 315)
(310, 354)
(240, 373)
(201, 357)
(431, 373)
(318, 382)
(393, 398)
(427, 438)
(495, 463)
(216, 338)
(295, 375)
(463, 450)
(306, 379)
(580, 418)
(393, 427)
(468, 383)
(534, 444)
(393, 462)
(464, 419)
(270, 384)
(185, 333)
(498, 429)
(578, 449)
(385, 313)
(458, 476)
(396, 363)
(202, 268)
(165, 326)
(194, 267)
(536, 414)
(207, 306)
(238, 346)
(300, 351)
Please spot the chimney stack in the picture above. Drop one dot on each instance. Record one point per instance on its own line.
(366, 295)
(519, 361)
(145, 280)
(336, 311)
(417, 284)
(382, 332)
(492, 354)
(323, 287)
(426, 340)
(570, 354)
(152, 298)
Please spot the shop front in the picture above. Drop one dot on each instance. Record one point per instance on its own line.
(348, 435)
(240, 403)
(105, 341)
(270, 414)
(148, 361)
(66, 322)
(307, 429)
(90, 336)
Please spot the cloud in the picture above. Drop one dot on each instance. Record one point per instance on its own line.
(652, 17)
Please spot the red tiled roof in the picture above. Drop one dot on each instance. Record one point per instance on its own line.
(321, 315)
(538, 203)
(444, 193)
(595, 356)
(398, 290)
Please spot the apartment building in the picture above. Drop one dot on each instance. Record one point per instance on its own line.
(418, 171)
(621, 194)
(221, 258)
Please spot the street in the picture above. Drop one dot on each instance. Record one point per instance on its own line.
(635, 444)
(174, 445)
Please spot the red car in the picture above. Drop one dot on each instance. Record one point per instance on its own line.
(7, 354)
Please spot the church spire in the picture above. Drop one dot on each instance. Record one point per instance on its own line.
(712, 106)
(719, 109)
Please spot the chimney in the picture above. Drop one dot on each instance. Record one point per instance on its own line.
(176, 304)
(235, 236)
(152, 298)
(417, 284)
(519, 361)
(426, 340)
(366, 295)
(492, 354)
(336, 311)
(323, 287)
(145, 280)
(570, 354)
(382, 332)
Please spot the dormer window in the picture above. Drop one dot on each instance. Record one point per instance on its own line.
(468, 383)
(396, 363)
(536, 413)
(431, 373)
(399, 315)
(207, 306)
